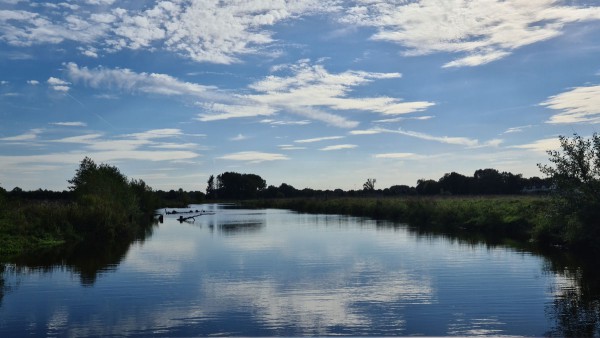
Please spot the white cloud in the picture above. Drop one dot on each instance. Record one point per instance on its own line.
(308, 90)
(519, 129)
(579, 105)
(70, 124)
(542, 145)
(483, 31)
(339, 147)
(24, 28)
(399, 119)
(33, 82)
(465, 141)
(156, 133)
(319, 139)
(100, 156)
(203, 30)
(285, 123)
(366, 132)
(58, 85)
(90, 53)
(136, 142)
(129, 81)
(28, 136)
(443, 139)
(239, 137)
(254, 157)
(221, 111)
(290, 147)
(396, 155)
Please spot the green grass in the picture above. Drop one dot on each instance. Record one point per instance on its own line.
(510, 217)
(28, 226)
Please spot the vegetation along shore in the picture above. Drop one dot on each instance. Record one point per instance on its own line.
(561, 210)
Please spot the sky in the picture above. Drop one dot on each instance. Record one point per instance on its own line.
(313, 93)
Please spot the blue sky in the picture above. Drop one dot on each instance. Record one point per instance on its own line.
(320, 94)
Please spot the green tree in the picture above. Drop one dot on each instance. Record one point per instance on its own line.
(239, 186)
(575, 174)
(369, 185)
(210, 187)
(108, 201)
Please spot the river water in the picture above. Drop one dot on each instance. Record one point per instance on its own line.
(242, 272)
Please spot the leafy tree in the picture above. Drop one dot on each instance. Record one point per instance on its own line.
(109, 203)
(455, 183)
(427, 187)
(239, 186)
(210, 186)
(575, 174)
(369, 184)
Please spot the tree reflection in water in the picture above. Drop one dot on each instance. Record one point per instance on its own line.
(86, 259)
(575, 309)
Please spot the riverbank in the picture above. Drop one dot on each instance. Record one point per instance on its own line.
(29, 226)
(516, 218)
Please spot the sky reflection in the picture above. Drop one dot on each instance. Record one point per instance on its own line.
(271, 272)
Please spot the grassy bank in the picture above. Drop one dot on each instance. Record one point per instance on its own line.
(104, 206)
(517, 218)
(27, 226)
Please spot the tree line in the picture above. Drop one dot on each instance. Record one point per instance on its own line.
(232, 185)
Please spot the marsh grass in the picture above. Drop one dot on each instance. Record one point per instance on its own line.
(27, 226)
(511, 217)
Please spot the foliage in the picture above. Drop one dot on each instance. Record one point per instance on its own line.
(512, 217)
(232, 185)
(210, 186)
(369, 185)
(575, 174)
(103, 205)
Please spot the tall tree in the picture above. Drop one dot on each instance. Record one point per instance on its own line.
(210, 186)
(575, 174)
(369, 184)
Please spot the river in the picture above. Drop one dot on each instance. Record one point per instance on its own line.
(241, 272)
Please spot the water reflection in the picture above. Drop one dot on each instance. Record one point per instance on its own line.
(87, 260)
(268, 272)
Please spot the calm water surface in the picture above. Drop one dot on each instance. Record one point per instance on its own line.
(275, 272)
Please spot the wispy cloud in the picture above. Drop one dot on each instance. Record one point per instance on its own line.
(464, 141)
(367, 132)
(519, 129)
(239, 137)
(319, 139)
(542, 145)
(290, 147)
(156, 133)
(254, 157)
(481, 31)
(311, 88)
(339, 147)
(221, 111)
(131, 82)
(399, 119)
(144, 142)
(285, 123)
(579, 105)
(31, 135)
(397, 156)
(70, 124)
